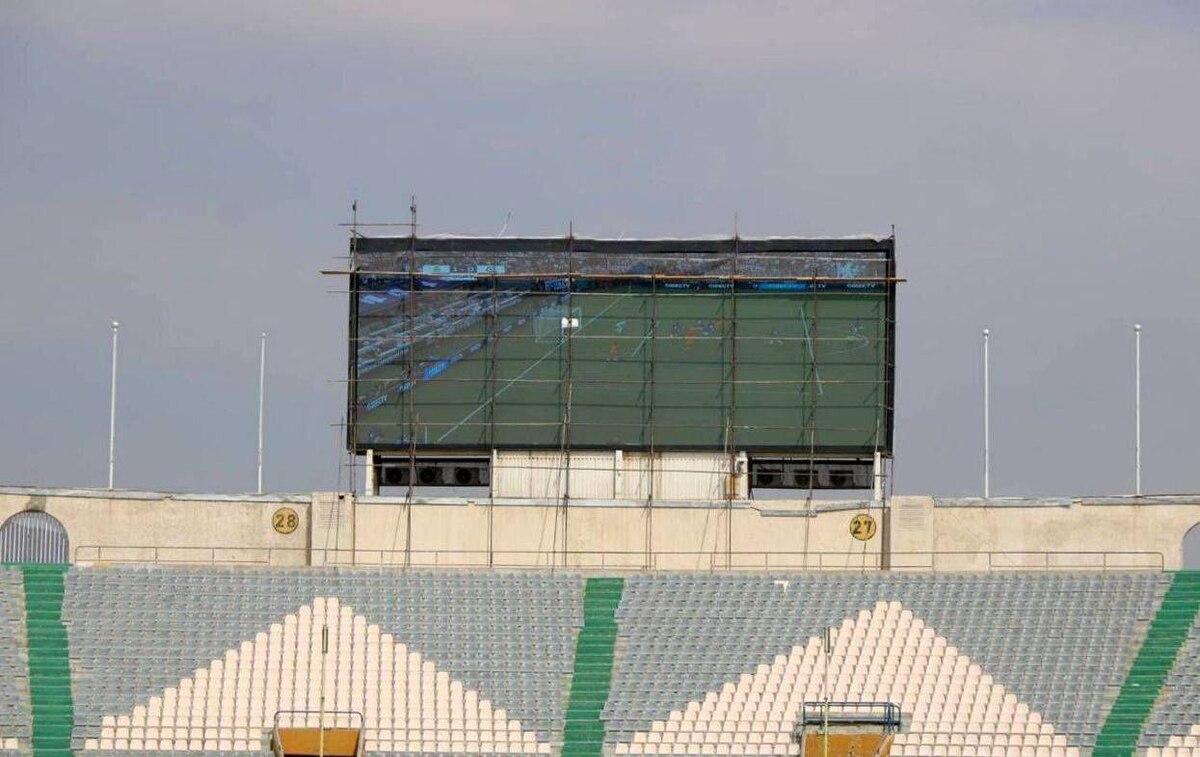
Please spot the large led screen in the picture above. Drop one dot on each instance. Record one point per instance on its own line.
(714, 344)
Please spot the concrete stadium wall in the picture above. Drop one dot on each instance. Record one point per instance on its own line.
(330, 528)
(1111, 525)
(156, 527)
(607, 534)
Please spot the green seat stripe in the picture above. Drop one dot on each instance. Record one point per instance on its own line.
(592, 675)
(1123, 728)
(49, 666)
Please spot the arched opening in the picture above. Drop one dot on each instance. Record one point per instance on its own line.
(1191, 548)
(33, 536)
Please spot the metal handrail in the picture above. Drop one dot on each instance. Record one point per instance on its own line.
(844, 712)
(631, 560)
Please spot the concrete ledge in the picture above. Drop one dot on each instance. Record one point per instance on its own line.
(142, 494)
(782, 507)
(1153, 499)
(1118, 499)
(1002, 502)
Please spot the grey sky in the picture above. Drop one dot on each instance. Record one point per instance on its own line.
(182, 167)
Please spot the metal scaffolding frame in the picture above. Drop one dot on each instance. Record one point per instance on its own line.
(503, 286)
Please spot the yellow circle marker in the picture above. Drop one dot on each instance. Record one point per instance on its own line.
(285, 520)
(862, 527)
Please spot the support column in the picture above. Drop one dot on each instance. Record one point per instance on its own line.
(877, 477)
(371, 483)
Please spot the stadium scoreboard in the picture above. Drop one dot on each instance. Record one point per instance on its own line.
(779, 345)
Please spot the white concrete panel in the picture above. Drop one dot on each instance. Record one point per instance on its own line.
(544, 475)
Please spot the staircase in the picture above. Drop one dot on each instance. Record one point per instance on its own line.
(584, 732)
(1167, 632)
(49, 669)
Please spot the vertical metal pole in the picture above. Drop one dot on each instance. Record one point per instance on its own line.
(651, 419)
(987, 420)
(112, 409)
(570, 389)
(889, 325)
(812, 381)
(1137, 409)
(262, 376)
(321, 717)
(731, 482)
(353, 344)
(411, 343)
(493, 345)
(828, 644)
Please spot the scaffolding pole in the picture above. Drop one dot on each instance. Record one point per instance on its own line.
(666, 277)
(651, 420)
(565, 442)
(887, 380)
(731, 425)
(352, 348)
(411, 349)
(493, 337)
(811, 385)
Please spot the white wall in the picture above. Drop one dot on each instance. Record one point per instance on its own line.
(608, 533)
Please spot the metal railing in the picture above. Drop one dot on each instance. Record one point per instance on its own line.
(817, 712)
(616, 561)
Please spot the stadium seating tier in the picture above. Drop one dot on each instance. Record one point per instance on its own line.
(1060, 643)
(145, 641)
(197, 660)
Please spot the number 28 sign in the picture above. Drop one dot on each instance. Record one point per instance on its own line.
(862, 527)
(285, 520)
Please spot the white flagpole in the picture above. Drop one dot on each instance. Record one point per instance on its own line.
(987, 451)
(262, 376)
(1137, 409)
(112, 409)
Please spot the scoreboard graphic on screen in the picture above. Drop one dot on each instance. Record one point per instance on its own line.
(770, 345)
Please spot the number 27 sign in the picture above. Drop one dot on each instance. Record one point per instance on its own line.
(862, 527)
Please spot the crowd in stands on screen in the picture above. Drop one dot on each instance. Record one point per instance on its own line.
(386, 342)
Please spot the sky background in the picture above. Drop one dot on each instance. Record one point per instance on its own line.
(182, 167)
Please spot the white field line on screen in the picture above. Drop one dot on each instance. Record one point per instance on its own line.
(641, 344)
(525, 372)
